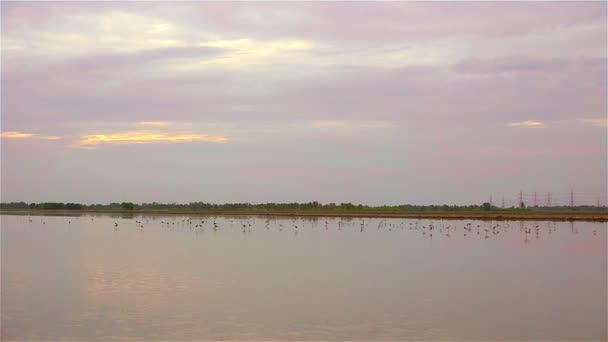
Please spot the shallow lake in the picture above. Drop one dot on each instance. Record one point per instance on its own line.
(97, 277)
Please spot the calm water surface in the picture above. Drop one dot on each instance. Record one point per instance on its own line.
(253, 278)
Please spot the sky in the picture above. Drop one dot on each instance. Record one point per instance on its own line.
(362, 102)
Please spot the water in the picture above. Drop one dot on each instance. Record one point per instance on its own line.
(82, 278)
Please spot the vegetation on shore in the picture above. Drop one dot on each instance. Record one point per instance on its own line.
(290, 207)
(314, 209)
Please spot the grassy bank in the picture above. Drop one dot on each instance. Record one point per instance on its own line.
(598, 216)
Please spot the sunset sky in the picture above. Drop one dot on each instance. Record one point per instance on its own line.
(363, 102)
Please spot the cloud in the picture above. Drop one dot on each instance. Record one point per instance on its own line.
(147, 137)
(528, 64)
(279, 172)
(599, 122)
(397, 21)
(154, 123)
(412, 94)
(527, 123)
(20, 135)
(348, 125)
(138, 58)
(16, 135)
(393, 21)
(239, 53)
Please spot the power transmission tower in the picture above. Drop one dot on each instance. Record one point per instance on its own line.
(571, 198)
(503, 202)
(548, 199)
(490, 200)
(521, 198)
(535, 200)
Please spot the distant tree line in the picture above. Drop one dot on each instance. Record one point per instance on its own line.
(44, 205)
(273, 207)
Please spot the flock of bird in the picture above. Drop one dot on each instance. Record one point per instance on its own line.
(427, 228)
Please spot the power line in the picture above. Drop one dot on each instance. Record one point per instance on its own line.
(551, 199)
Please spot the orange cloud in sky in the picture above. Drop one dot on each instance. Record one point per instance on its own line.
(20, 135)
(154, 123)
(15, 135)
(146, 137)
(528, 123)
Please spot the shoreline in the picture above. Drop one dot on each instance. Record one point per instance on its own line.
(463, 215)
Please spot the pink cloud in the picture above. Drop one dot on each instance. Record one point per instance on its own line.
(384, 21)
(472, 171)
(522, 152)
(317, 172)
(527, 64)
(286, 172)
(398, 21)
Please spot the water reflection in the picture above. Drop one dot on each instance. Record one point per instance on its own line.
(104, 277)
